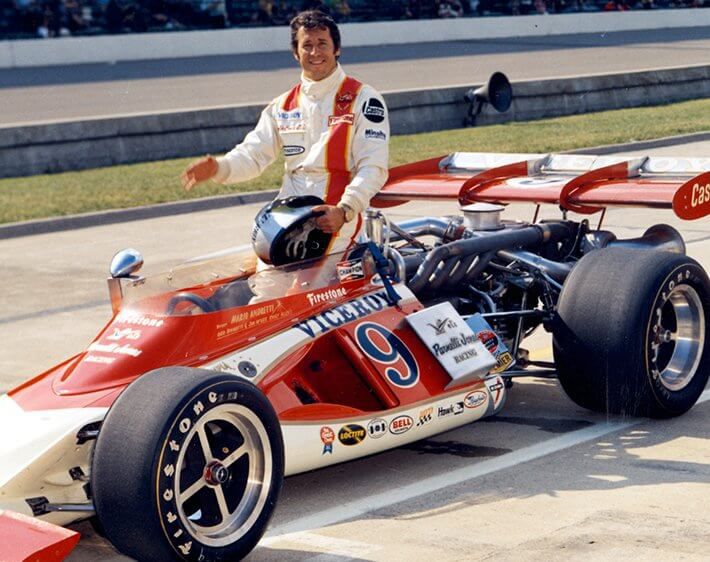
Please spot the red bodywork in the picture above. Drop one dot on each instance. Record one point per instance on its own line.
(330, 369)
(587, 187)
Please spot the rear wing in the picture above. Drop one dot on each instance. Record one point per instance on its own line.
(580, 183)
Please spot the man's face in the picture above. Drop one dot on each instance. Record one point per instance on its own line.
(316, 53)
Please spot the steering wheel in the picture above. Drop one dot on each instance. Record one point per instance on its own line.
(199, 302)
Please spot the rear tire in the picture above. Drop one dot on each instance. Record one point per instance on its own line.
(188, 465)
(630, 333)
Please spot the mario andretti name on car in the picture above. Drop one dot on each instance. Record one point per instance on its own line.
(343, 314)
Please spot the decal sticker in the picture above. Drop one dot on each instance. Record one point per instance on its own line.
(454, 344)
(347, 118)
(376, 428)
(352, 434)
(492, 342)
(327, 295)
(374, 110)
(345, 97)
(450, 410)
(475, 399)
(401, 424)
(375, 134)
(327, 437)
(286, 115)
(383, 347)
(442, 325)
(99, 359)
(293, 150)
(115, 348)
(425, 416)
(126, 333)
(536, 182)
(139, 320)
(343, 314)
(351, 270)
(252, 317)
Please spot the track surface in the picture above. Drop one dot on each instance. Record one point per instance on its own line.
(100, 90)
(545, 480)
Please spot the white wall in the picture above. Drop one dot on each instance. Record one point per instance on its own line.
(111, 48)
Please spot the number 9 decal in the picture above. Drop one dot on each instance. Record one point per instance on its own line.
(383, 347)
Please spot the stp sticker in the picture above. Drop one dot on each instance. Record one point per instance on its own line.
(401, 424)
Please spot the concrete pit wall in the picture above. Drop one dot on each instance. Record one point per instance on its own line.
(57, 147)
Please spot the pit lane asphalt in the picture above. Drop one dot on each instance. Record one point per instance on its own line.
(99, 90)
(637, 492)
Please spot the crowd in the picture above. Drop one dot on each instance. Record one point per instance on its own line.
(55, 18)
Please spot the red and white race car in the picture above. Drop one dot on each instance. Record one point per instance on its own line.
(212, 382)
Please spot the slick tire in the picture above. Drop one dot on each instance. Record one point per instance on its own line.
(630, 336)
(188, 466)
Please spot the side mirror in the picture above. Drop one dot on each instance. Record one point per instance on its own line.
(497, 91)
(125, 263)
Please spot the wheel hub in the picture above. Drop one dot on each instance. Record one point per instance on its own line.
(216, 473)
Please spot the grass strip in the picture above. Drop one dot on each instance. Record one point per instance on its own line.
(158, 182)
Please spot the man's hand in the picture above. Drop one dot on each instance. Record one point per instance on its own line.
(332, 220)
(202, 170)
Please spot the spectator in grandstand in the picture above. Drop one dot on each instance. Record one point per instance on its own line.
(449, 9)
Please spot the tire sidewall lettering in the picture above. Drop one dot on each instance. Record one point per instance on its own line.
(195, 407)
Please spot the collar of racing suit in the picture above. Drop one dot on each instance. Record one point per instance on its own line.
(318, 90)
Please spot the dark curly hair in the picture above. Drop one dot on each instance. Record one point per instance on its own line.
(314, 19)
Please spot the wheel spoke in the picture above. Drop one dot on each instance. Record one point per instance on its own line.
(204, 443)
(192, 490)
(235, 456)
(222, 503)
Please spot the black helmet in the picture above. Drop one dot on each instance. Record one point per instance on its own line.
(285, 231)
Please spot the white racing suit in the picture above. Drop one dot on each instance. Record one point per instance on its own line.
(334, 136)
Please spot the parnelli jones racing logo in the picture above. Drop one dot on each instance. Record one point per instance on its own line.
(343, 314)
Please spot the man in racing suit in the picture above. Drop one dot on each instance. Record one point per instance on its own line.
(332, 130)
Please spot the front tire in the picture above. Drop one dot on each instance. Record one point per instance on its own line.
(630, 335)
(188, 465)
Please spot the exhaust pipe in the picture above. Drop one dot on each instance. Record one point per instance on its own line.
(506, 239)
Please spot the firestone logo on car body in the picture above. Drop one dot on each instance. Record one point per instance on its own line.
(325, 296)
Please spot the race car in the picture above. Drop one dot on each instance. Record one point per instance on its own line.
(212, 382)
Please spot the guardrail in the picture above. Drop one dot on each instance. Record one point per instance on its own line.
(57, 147)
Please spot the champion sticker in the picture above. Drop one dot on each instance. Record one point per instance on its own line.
(374, 110)
(351, 270)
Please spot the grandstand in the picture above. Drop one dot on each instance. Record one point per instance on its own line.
(27, 19)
